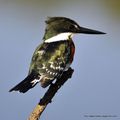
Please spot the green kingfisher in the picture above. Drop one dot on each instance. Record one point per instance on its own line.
(54, 55)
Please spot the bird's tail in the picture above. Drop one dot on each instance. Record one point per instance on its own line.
(29, 82)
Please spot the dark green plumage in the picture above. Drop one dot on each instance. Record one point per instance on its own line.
(50, 60)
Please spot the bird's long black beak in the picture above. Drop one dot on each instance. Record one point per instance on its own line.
(89, 31)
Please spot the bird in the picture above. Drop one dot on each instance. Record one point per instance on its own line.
(54, 55)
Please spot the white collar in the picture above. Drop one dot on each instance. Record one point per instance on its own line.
(59, 37)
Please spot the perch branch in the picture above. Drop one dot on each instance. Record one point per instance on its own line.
(47, 98)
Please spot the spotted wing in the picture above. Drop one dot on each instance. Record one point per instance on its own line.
(49, 60)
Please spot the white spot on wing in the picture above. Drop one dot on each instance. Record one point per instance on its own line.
(41, 52)
(43, 66)
(53, 73)
(35, 81)
(52, 66)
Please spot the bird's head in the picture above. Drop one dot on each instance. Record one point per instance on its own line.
(64, 27)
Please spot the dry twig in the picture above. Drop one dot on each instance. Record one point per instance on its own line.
(47, 98)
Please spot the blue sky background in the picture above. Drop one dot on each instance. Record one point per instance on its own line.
(95, 86)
